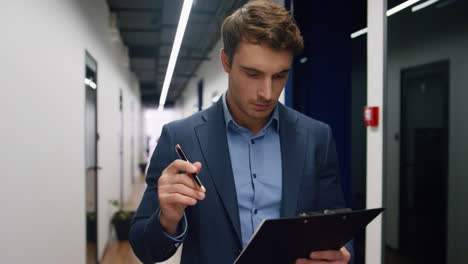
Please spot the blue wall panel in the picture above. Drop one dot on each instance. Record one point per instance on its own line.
(321, 86)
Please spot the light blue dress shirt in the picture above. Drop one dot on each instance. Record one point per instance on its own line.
(256, 166)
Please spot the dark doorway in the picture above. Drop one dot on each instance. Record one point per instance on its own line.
(423, 163)
(132, 142)
(91, 159)
(200, 95)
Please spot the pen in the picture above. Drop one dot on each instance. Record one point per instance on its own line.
(182, 156)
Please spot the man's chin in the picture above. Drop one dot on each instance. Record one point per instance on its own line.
(261, 114)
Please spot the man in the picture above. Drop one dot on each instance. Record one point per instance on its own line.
(260, 159)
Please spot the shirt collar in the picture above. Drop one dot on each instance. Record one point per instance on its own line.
(274, 119)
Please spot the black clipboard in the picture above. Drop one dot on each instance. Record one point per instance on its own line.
(286, 239)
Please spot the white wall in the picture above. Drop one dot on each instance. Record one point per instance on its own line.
(42, 134)
(432, 35)
(215, 82)
(132, 129)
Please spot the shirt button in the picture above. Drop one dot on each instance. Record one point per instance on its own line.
(254, 176)
(255, 211)
(252, 141)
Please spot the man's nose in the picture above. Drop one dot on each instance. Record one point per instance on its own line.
(264, 91)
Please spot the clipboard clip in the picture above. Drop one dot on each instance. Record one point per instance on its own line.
(326, 212)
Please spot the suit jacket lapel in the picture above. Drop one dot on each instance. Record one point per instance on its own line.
(213, 144)
(293, 147)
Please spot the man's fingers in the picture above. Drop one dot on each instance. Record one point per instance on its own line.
(184, 190)
(198, 165)
(312, 261)
(327, 255)
(177, 198)
(184, 179)
(179, 165)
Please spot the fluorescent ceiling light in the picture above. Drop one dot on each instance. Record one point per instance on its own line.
(184, 15)
(359, 33)
(401, 6)
(390, 12)
(423, 5)
(90, 83)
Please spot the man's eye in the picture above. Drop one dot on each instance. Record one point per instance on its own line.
(253, 75)
(281, 76)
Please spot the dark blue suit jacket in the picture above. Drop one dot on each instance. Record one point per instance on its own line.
(310, 183)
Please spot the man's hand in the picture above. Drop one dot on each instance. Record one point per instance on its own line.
(177, 191)
(341, 256)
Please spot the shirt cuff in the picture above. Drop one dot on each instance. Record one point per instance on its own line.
(179, 238)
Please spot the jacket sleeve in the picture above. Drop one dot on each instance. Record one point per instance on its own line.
(331, 193)
(147, 238)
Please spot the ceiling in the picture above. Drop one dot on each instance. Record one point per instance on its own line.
(148, 27)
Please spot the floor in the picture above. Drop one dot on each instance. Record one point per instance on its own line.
(118, 252)
(91, 253)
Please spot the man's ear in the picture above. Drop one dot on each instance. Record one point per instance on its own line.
(225, 61)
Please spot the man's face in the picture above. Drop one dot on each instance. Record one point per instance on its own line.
(257, 76)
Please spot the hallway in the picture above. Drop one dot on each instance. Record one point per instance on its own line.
(88, 87)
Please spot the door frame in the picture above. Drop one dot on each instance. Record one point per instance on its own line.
(92, 60)
(121, 147)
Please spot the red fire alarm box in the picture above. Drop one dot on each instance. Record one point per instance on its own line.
(371, 116)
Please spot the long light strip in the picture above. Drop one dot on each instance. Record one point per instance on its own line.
(390, 12)
(423, 5)
(359, 33)
(401, 6)
(184, 16)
